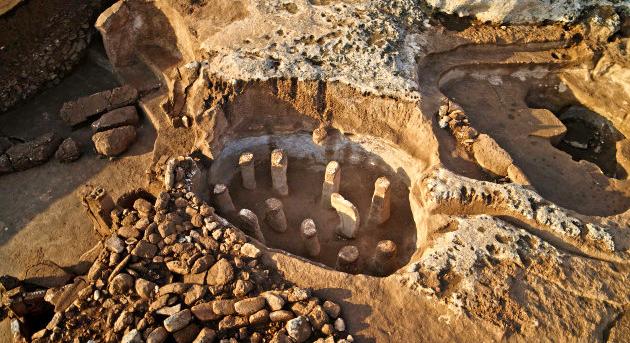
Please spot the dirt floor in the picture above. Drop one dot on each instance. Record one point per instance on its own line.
(40, 209)
(572, 183)
(360, 170)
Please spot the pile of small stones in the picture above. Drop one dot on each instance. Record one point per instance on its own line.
(174, 270)
(488, 154)
(453, 118)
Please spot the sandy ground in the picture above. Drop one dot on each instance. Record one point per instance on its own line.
(40, 211)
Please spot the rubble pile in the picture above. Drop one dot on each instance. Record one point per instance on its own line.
(174, 270)
(483, 148)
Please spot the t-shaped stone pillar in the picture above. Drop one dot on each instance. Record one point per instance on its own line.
(248, 175)
(348, 259)
(308, 231)
(250, 221)
(348, 216)
(383, 260)
(274, 215)
(332, 178)
(279, 164)
(380, 208)
(223, 199)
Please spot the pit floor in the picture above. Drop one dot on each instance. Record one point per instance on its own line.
(305, 185)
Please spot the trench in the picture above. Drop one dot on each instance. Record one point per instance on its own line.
(566, 150)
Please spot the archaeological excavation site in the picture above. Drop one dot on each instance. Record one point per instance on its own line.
(322, 171)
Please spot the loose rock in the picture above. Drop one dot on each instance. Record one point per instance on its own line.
(115, 141)
(68, 151)
(177, 321)
(119, 117)
(299, 329)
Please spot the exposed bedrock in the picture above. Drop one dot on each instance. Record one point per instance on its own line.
(521, 11)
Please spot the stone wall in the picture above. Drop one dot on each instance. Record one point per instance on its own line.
(40, 42)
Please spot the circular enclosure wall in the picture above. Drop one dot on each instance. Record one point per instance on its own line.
(361, 161)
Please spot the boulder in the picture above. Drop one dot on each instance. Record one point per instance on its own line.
(177, 321)
(250, 250)
(122, 96)
(115, 244)
(77, 111)
(68, 151)
(274, 301)
(33, 153)
(144, 249)
(132, 336)
(158, 335)
(299, 329)
(204, 312)
(220, 274)
(121, 284)
(281, 316)
(206, 335)
(187, 334)
(249, 306)
(115, 141)
(80, 110)
(145, 289)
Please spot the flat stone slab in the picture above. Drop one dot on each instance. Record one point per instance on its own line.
(80, 110)
(116, 118)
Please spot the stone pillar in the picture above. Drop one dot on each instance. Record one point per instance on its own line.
(223, 199)
(380, 208)
(274, 215)
(348, 216)
(99, 204)
(169, 174)
(279, 164)
(308, 231)
(348, 259)
(332, 178)
(246, 164)
(250, 221)
(383, 260)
